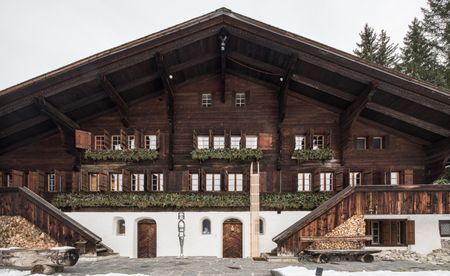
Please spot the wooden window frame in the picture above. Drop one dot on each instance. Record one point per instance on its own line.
(391, 174)
(159, 182)
(135, 177)
(214, 185)
(191, 182)
(101, 145)
(131, 141)
(361, 138)
(323, 186)
(301, 182)
(118, 182)
(316, 139)
(206, 100)
(118, 139)
(50, 187)
(148, 142)
(381, 142)
(233, 179)
(240, 99)
(218, 137)
(440, 230)
(251, 137)
(202, 138)
(300, 142)
(234, 146)
(352, 177)
(90, 175)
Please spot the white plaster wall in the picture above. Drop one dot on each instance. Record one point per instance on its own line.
(426, 230)
(196, 244)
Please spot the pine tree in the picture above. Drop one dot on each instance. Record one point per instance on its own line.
(386, 52)
(367, 48)
(437, 26)
(417, 57)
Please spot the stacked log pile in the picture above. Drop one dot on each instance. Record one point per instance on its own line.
(15, 231)
(353, 227)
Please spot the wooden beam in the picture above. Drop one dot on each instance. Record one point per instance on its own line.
(205, 57)
(54, 114)
(323, 87)
(115, 97)
(409, 119)
(223, 38)
(349, 116)
(254, 63)
(169, 92)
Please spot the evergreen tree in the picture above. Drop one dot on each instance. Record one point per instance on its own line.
(417, 57)
(437, 27)
(367, 48)
(386, 51)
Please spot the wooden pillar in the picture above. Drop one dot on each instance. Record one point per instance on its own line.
(254, 211)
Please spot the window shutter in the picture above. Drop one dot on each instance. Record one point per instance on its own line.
(123, 139)
(246, 180)
(82, 139)
(163, 144)
(202, 176)
(265, 141)
(17, 178)
(367, 177)
(186, 182)
(103, 181)
(107, 136)
(211, 143)
(316, 181)
(346, 178)
(148, 180)
(387, 177)
(385, 227)
(227, 138)
(224, 181)
(409, 177)
(338, 181)
(126, 181)
(84, 180)
(410, 232)
(2, 180)
(328, 138)
(158, 139)
(194, 139)
(243, 137)
(386, 142)
(60, 181)
(33, 181)
(137, 139)
(76, 177)
(263, 182)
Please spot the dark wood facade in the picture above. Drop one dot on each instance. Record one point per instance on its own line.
(293, 86)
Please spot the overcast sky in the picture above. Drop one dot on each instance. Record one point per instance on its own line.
(39, 36)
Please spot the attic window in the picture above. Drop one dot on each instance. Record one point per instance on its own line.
(240, 99)
(206, 100)
(361, 143)
(377, 143)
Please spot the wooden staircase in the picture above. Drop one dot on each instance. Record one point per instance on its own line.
(363, 200)
(21, 201)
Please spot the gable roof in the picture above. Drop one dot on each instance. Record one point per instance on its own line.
(332, 78)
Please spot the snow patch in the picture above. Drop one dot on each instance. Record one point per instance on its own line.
(297, 270)
(14, 272)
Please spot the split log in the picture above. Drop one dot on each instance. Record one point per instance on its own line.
(28, 258)
(47, 269)
(366, 258)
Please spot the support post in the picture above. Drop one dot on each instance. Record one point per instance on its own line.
(223, 37)
(254, 211)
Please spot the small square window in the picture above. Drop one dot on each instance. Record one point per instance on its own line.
(300, 142)
(235, 181)
(251, 142)
(137, 182)
(207, 100)
(361, 143)
(318, 141)
(203, 142)
(235, 142)
(219, 142)
(444, 228)
(213, 182)
(377, 143)
(240, 99)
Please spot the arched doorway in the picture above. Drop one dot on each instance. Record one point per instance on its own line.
(146, 238)
(232, 238)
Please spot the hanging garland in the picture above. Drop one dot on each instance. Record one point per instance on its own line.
(122, 155)
(228, 154)
(313, 154)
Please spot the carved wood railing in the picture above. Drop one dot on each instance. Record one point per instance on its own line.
(364, 200)
(21, 201)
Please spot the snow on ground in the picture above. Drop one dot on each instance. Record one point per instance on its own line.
(13, 272)
(297, 270)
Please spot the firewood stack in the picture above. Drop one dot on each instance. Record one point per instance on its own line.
(353, 227)
(15, 231)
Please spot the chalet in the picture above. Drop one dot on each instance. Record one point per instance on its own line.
(245, 127)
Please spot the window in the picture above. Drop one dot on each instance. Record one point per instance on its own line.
(203, 142)
(377, 143)
(51, 182)
(8, 179)
(299, 142)
(193, 178)
(93, 182)
(318, 141)
(240, 99)
(131, 142)
(206, 227)
(150, 142)
(115, 142)
(219, 142)
(361, 143)
(395, 178)
(213, 182)
(444, 228)
(235, 142)
(206, 100)
(157, 182)
(137, 182)
(261, 227)
(304, 182)
(115, 182)
(326, 181)
(375, 232)
(235, 182)
(251, 142)
(355, 178)
(120, 227)
(99, 142)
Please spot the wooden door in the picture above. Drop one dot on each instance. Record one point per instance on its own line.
(232, 239)
(146, 239)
